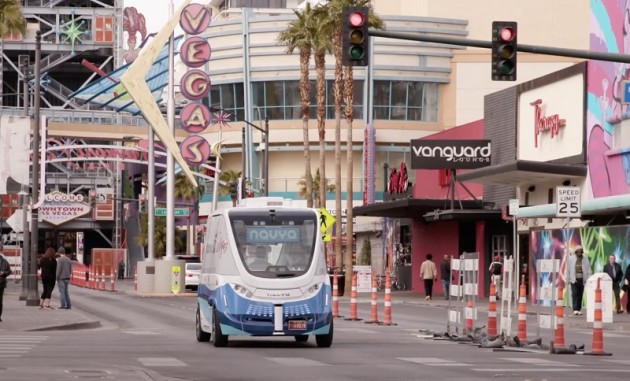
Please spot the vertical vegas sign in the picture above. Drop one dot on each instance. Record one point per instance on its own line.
(568, 202)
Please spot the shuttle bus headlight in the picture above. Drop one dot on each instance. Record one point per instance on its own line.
(242, 290)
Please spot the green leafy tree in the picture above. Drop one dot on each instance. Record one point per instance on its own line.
(298, 36)
(343, 90)
(316, 185)
(11, 21)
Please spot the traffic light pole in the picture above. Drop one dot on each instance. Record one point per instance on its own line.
(536, 49)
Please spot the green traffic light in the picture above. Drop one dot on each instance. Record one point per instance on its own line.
(505, 67)
(356, 52)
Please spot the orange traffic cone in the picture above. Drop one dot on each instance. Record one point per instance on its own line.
(387, 310)
(598, 332)
(335, 296)
(492, 310)
(558, 337)
(374, 309)
(353, 299)
(112, 286)
(469, 316)
(522, 312)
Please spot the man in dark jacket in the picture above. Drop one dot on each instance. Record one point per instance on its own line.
(5, 271)
(613, 269)
(445, 274)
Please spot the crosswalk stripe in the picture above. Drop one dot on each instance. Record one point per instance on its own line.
(161, 361)
(536, 361)
(16, 346)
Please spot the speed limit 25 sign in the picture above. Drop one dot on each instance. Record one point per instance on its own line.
(568, 202)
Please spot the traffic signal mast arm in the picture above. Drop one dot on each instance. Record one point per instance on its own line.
(536, 49)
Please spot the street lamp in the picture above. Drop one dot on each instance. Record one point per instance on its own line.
(25, 243)
(265, 142)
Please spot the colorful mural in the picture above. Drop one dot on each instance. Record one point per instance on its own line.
(598, 244)
(609, 168)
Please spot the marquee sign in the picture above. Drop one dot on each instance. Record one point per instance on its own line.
(450, 154)
(543, 124)
(59, 208)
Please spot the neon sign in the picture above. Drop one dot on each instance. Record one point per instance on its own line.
(544, 124)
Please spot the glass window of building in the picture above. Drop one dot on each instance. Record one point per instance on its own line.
(228, 97)
(405, 100)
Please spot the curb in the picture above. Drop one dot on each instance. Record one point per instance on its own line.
(66, 327)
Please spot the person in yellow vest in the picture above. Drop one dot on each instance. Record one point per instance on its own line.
(428, 273)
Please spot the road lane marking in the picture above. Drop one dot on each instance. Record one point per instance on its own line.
(536, 361)
(160, 361)
(16, 346)
(432, 361)
(296, 361)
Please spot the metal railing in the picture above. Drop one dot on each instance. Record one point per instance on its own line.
(82, 116)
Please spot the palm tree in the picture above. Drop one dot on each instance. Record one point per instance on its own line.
(185, 191)
(317, 184)
(11, 21)
(159, 235)
(298, 35)
(227, 176)
(344, 81)
(322, 45)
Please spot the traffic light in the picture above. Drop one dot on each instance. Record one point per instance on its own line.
(142, 203)
(92, 199)
(354, 36)
(234, 190)
(504, 49)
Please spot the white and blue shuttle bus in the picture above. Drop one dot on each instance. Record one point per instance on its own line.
(264, 274)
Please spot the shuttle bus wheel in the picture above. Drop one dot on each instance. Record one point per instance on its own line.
(325, 341)
(202, 336)
(216, 337)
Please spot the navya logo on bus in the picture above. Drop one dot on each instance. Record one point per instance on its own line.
(450, 154)
(273, 234)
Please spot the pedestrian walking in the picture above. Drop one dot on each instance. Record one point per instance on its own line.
(578, 270)
(445, 275)
(48, 265)
(626, 288)
(428, 273)
(121, 269)
(614, 271)
(64, 271)
(5, 271)
(496, 270)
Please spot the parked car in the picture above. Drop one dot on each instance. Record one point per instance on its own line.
(192, 271)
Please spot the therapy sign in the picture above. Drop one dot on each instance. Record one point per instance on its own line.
(59, 208)
(450, 154)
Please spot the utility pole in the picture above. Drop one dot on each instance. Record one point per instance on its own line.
(32, 298)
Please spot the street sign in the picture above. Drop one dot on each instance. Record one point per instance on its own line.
(326, 220)
(625, 97)
(178, 212)
(568, 202)
(513, 207)
(326, 237)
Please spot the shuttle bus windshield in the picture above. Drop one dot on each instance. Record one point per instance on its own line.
(275, 243)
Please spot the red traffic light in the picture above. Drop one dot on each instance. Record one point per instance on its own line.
(356, 19)
(506, 34)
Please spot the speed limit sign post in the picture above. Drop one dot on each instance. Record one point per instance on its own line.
(568, 202)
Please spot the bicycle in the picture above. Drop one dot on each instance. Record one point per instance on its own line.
(395, 283)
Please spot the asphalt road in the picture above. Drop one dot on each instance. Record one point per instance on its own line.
(150, 338)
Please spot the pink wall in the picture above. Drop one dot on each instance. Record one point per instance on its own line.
(429, 186)
(437, 238)
(480, 248)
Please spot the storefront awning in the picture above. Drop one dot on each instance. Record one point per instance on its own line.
(463, 215)
(416, 208)
(523, 172)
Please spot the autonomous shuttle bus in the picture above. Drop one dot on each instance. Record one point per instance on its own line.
(264, 274)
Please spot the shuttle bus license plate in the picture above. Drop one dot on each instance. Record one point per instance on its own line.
(297, 325)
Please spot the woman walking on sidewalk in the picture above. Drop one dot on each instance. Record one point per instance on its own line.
(428, 272)
(48, 264)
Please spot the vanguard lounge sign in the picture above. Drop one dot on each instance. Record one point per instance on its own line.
(450, 154)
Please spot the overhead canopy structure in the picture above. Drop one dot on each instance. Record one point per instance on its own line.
(109, 92)
(523, 172)
(428, 209)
